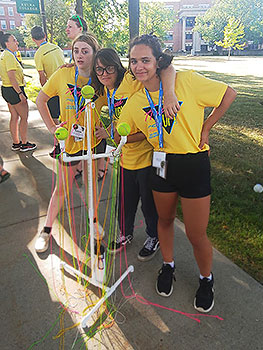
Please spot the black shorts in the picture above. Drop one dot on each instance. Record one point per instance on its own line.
(187, 174)
(53, 106)
(10, 95)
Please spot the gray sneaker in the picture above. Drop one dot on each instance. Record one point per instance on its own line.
(149, 249)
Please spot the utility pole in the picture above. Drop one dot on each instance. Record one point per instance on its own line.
(43, 15)
(79, 8)
(134, 15)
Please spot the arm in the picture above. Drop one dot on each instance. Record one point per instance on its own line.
(13, 81)
(216, 114)
(42, 77)
(171, 105)
(41, 103)
(139, 136)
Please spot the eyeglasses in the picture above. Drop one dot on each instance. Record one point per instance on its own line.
(78, 18)
(109, 69)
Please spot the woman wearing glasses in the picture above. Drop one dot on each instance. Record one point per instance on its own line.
(111, 80)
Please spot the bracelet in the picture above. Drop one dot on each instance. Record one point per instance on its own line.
(19, 93)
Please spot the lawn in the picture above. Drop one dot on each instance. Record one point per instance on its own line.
(236, 142)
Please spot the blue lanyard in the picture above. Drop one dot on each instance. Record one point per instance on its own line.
(14, 55)
(111, 108)
(75, 92)
(44, 42)
(157, 115)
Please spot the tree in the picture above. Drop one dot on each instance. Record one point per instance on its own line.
(134, 17)
(211, 25)
(233, 35)
(156, 18)
(57, 14)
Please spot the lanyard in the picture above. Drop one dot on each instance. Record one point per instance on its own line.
(44, 42)
(157, 115)
(14, 56)
(75, 92)
(111, 108)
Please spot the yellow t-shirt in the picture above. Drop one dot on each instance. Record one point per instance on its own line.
(182, 134)
(61, 84)
(8, 62)
(48, 58)
(135, 155)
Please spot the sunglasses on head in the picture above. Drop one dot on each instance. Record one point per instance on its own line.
(78, 18)
(109, 69)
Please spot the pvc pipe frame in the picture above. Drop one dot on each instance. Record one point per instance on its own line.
(89, 157)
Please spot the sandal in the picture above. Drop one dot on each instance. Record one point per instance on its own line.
(100, 177)
(4, 175)
(78, 174)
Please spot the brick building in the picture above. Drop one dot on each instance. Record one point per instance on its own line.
(182, 38)
(9, 18)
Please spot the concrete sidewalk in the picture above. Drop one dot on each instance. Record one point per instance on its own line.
(32, 286)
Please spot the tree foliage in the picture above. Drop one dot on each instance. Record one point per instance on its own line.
(233, 35)
(250, 12)
(57, 15)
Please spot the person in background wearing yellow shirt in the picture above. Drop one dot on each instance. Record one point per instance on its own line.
(48, 58)
(181, 165)
(14, 94)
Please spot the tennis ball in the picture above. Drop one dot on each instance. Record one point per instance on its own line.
(61, 133)
(124, 129)
(258, 188)
(87, 92)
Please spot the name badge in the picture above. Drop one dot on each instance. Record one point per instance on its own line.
(159, 162)
(78, 132)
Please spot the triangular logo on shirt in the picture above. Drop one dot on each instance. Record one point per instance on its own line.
(81, 101)
(118, 105)
(168, 123)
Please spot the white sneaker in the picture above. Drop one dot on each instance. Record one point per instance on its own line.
(42, 242)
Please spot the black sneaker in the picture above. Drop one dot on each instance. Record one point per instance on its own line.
(16, 146)
(164, 283)
(27, 147)
(150, 248)
(121, 241)
(55, 152)
(204, 298)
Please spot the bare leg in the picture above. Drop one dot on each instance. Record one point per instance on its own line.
(22, 110)
(13, 124)
(166, 204)
(57, 198)
(196, 216)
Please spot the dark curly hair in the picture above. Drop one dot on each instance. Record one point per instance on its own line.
(163, 59)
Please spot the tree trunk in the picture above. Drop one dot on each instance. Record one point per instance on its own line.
(229, 52)
(134, 14)
(79, 8)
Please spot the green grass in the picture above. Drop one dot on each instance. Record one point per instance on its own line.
(236, 219)
(236, 141)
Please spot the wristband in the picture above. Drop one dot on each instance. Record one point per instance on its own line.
(19, 93)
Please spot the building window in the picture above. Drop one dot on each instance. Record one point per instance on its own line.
(169, 36)
(190, 21)
(188, 36)
(12, 25)
(10, 11)
(3, 24)
(2, 11)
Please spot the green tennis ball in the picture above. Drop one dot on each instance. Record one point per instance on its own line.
(87, 92)
(61, 134)
(124, 129)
